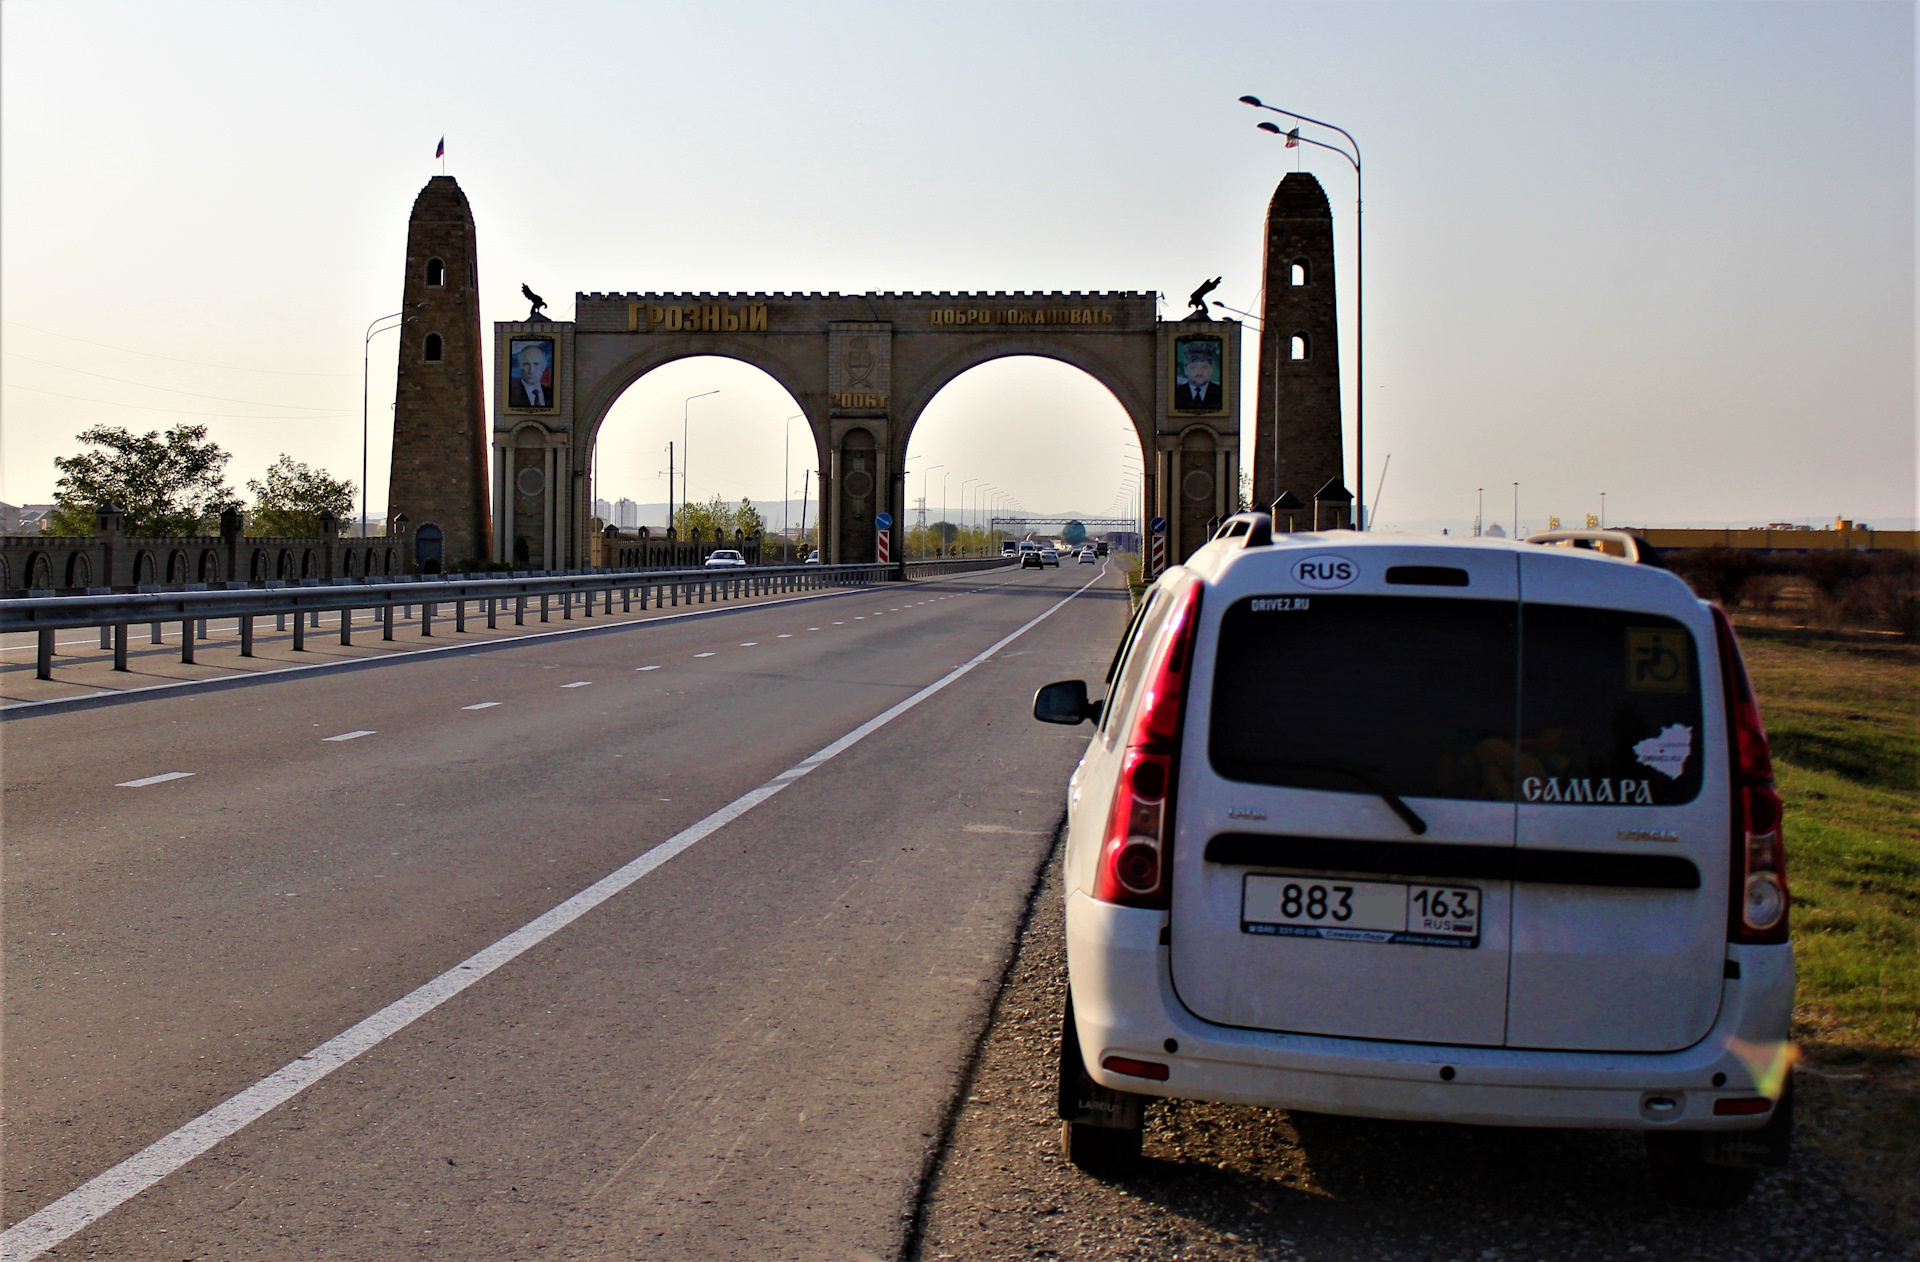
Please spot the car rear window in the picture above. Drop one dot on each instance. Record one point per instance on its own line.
(1415, 693)
(1611, 708)
(1422, 696)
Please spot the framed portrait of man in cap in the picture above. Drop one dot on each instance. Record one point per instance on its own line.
(1198, 371)
(530, 374)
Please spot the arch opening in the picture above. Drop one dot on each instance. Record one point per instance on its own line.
(751, 476)
(1021, 436)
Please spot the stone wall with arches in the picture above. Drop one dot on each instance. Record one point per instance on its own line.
(862, 368)
(111, 560)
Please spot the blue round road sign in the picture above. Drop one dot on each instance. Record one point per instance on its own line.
(1158, 526)
(883, 520)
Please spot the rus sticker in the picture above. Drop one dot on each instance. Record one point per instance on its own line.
(1667, 752)
(1326, 571)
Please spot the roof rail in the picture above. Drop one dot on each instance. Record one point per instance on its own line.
(1614, 543)
(1254, 530)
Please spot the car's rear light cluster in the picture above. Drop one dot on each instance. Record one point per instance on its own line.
(1759, 898)
(1135, 858)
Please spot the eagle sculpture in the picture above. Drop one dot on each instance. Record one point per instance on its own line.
(1198, 298)
(539, 303)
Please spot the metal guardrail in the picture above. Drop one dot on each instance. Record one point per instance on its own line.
(116, 613)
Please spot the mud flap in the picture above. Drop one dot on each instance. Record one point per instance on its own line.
(1084, 1101)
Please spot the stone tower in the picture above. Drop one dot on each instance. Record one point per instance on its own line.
(1297, 423)
(439, 479)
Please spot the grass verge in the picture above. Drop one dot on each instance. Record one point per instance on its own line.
(1844, 718)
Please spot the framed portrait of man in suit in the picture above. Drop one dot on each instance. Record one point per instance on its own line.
(1199, 388)
(530, 375)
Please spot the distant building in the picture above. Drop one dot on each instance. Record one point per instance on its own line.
(603, 510)
(1494, 532)
(24, 519)
(626, 514)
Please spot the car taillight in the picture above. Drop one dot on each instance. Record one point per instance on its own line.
(1136, 855)
(1759, 899)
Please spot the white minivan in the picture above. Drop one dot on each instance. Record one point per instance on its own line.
(1456, 830)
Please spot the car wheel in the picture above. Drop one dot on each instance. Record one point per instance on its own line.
(1678, 1167)
(1100, 1129)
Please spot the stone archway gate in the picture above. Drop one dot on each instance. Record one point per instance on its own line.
(862, 367)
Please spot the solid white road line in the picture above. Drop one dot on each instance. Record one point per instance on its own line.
(106, 1192)
(347, 736)
(144, 781)
(483, 705)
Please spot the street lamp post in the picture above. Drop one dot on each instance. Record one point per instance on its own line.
(943, 511)
(366, 359)
(1360, 291)
(684, 461)
(1516, 510)
(786, 470)
(963, 498)
(923, 505)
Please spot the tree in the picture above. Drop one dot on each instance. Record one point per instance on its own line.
(165, 484)
(718, 515)
(289, 502)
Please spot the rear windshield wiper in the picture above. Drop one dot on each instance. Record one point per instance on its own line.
(1366, 781)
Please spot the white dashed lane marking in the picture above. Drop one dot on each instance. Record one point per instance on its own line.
(703, 655)
(484, 705)
(750, 644)
(784, 635)
(646, 668)
(144, 781)
(347, 736)
(578, 683)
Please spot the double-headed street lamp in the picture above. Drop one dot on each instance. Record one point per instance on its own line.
(1360, 289)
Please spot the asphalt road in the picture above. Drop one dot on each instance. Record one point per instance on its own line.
(747, 1053)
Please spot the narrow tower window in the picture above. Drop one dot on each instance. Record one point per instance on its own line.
(1301, 347)
(1300, 273)
(433, 347)
(436, 272)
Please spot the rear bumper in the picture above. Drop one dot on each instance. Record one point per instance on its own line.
(1124, 1004)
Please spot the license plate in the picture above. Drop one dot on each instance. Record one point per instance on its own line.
(1360, 911)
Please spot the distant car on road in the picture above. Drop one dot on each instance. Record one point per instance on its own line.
(724, 558)
(1050, 557)
(1530, 875)
(1087, 557)
(813, 558)
(1101, 547)
(1031, 561)
(1009, 547)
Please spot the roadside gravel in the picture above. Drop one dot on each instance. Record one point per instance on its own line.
(1226, 1182)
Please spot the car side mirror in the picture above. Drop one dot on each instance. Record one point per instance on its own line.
(1065, 702)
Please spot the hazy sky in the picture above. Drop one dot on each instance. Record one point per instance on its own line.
(1664, 251)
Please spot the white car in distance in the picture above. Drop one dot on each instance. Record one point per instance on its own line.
(724, 558)
(1465, 831)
